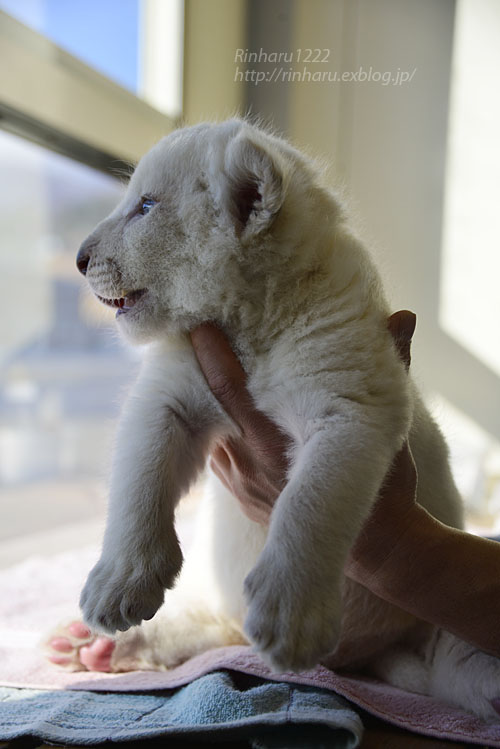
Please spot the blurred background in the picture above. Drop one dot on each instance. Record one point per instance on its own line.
(399, 97)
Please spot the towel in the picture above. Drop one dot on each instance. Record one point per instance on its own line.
(41, 591)
(217, 707)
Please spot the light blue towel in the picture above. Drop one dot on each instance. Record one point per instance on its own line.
(220, 706)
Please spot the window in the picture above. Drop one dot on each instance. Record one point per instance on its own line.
(136, 43)
(90, 87)
(470, 265)
(471, 262)
(63, 370)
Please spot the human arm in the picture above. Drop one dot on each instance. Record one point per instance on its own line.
(403, 554)
(440, 574)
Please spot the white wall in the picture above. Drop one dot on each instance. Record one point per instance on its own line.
(388, 144)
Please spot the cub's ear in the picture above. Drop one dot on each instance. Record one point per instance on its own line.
(254, 185)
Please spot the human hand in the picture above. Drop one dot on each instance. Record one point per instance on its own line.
(254, 466)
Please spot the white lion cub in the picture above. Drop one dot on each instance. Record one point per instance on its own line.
(226, 223)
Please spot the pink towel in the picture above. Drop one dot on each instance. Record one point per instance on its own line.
(40, 592)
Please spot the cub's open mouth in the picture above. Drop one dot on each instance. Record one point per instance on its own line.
(124, 303)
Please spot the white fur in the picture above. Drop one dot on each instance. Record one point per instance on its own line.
(244, 234)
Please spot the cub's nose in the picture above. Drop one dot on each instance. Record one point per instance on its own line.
(83, 257)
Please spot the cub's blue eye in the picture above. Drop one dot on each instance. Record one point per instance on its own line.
(145, 206)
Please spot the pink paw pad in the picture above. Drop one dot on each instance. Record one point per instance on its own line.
(97, 655)
(59, 660)
(79, 629)
(75, 646)
(61, 644)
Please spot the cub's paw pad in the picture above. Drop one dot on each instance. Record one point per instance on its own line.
(97, 655)
(74, 648)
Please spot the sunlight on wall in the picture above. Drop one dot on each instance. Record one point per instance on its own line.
(161, 54)
(470, 291)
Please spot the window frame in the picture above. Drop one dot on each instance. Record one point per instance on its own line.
(57, 107)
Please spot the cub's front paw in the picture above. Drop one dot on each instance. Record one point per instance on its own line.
(293, 619)
(120, 593)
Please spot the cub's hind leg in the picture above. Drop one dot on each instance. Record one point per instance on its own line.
(183, 627)
(448, 669)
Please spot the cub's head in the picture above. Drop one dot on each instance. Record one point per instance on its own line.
(210, 212)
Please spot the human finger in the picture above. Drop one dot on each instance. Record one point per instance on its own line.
(401, 479)
(227, 380)
(401, 325)
(223, 372)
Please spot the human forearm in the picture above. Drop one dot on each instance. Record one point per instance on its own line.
(442, 575)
